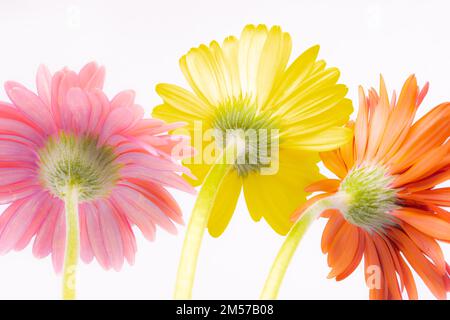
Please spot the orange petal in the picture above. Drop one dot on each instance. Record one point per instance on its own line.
(343, 249)
(371, 259)
(400, 119)
(423, 221)
(447, 279)
(356, 259)
(388, 266)
(397, 265)
(333, 161)
(429, 163)
(438, 197)
(423, 93)
(427, 245)
(326, 185)
(408, 278)
(377, 124)
(347, 151)
(308, 203)
(429, 182)
(440, 212)
(328, 213)
(361, 126)
(427, 133)
(332, 227)
(424, 268)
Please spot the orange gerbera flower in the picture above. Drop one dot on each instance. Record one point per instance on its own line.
(385, 206)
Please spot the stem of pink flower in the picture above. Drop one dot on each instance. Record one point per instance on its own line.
(199, 220)
(287, 250)
(72, 242)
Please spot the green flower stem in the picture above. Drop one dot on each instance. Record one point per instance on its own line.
(72, 242)
(287, 250)
(198, 223)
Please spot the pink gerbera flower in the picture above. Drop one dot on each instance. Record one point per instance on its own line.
(79, 170)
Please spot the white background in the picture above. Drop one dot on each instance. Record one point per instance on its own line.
(140, 43)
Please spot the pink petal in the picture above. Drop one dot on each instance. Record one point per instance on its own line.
(22, 140)
(55, 106)
(59, 242)
(112, 238)
(96, 81)
(129, 241)
(19, 222)
(86, 252)
(8, 213)
(44, 208)
(95, 113)
(21, 130)
(147, 208)
(165, 178)
(150, 162)
(14, 175)
(33, 108)
(118, 121)
(142, 220)
(18, 191)
(95, 235)
(43, 84)
(153, 127)
(123, 99)
(87, 72)
(43, 242)
(78, 109)
(97, 127)
(68, 80)
(13, 151)
(159, 196)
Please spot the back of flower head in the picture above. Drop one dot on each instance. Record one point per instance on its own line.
(386, 205)
(257, 118)
(79, 170)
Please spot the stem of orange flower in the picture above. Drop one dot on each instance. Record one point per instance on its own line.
(72, 242)
(287, 250)
(198, 222)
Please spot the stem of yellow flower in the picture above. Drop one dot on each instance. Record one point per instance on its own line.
(72, 242)
(287, 250)
(198, 222)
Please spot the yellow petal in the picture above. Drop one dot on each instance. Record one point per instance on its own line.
(275, 197)
(225, 203)
(314, 85)
(297, 72)
(198, 170)
(181, 105)
(251, 44)
(324, 140)
(171, 114)
(337, 115)
(199, 68)
(315, 103)
(230, 49)
(274, 58)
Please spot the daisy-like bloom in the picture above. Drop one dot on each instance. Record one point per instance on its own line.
(386, 205)
(242, 87)
(79, 170)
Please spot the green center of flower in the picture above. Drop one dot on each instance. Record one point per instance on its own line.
(70, 160)
(370, 197)
(257, 133)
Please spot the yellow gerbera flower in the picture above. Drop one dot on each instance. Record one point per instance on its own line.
(246, 84)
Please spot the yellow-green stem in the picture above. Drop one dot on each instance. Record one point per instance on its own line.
(198, 222)
(287, 250)
(72, 242)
